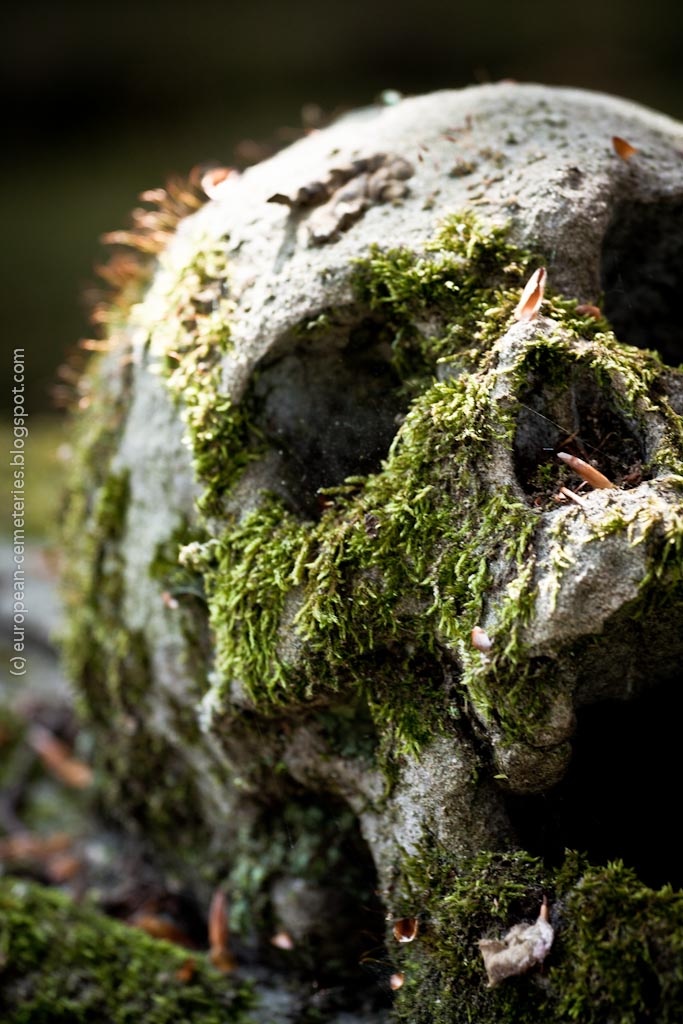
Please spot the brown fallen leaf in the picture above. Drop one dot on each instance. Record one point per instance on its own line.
(159, 928)
(58, 759)
(220, 953)
(213, 181)
(405, 929)
(593, 311)
(573, 496)
(62, 867)
(532, 296)
(623, 148)
(186, 971)
(29, 846)
(587, 472)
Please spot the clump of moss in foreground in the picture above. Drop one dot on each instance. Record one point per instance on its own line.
(617, 955)
(62, 962)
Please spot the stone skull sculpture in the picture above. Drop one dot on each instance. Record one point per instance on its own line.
(362, 547)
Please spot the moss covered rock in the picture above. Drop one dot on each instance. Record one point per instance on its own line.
(62, 962)
(328, 576)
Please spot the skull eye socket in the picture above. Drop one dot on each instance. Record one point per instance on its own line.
(329, 408)
(642, 276)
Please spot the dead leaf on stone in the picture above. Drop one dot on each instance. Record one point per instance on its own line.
(532, 296)
(587, 472)
(524, 946)
(623, 148)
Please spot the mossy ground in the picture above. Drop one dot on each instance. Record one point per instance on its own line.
(64, 962)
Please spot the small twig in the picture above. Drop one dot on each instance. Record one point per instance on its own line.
(576, 498)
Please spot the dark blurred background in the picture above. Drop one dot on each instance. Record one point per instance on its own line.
(103, 100)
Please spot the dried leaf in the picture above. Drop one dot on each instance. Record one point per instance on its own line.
(28, 846)
(623, 148)
(587, 472)
(219, 933)
(593, 311)
(213, 181)
(160, 928)
(58, 760)
(576, 498)
(481, 640)
(186, 971)
(532, 296)
(347, 191)
(62, 867)
(405, 929)
(524, 946)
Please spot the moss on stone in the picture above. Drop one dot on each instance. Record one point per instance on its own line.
(620, 951)
(190, 345)
(400, 564)
(100, 651)
(63, 962)
(616, 953)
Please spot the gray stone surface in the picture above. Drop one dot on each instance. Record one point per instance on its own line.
(541, 160)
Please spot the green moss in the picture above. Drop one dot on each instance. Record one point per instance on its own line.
(444, 970)
(399, 567)
(465, 284)
(108, 663)
(63, 962)
(621, 951)
(309, 838)
(100, 652)
(616, 955)
(191, 345)
(377, 596)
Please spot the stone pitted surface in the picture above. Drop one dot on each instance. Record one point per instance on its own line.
(330, 451)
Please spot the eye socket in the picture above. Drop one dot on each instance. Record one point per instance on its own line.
(329, 407)
(641, 276)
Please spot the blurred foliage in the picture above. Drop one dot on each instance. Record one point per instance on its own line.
(44, 475)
